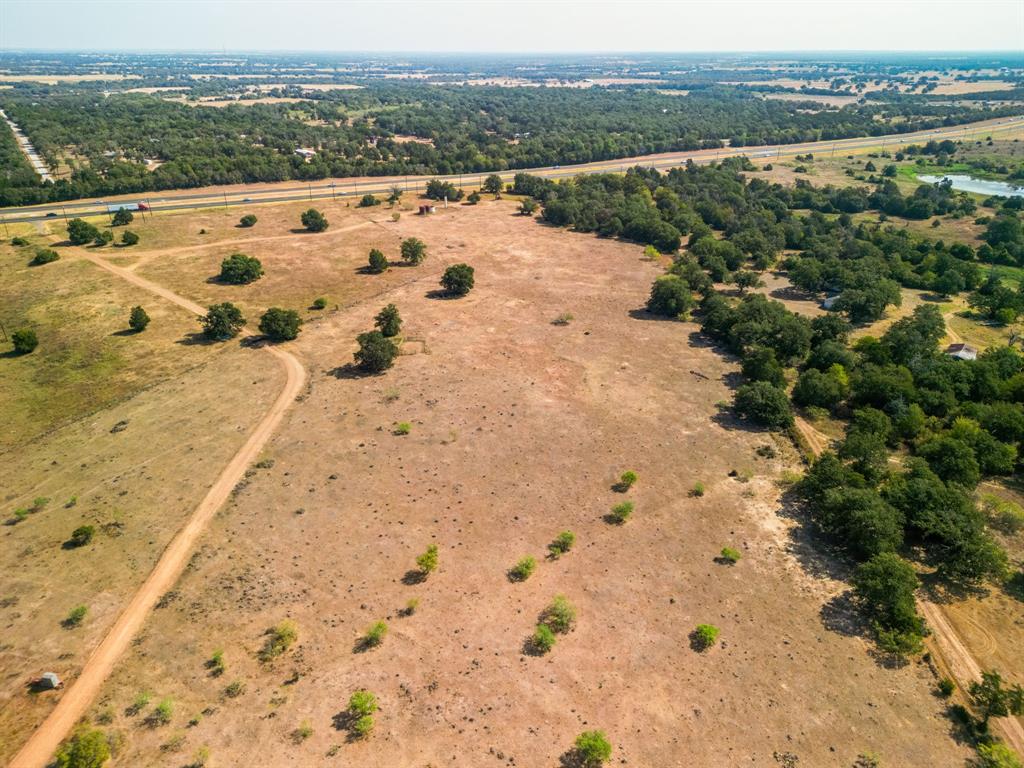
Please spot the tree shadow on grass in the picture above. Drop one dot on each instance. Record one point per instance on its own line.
(840, 615)
(125, 332)
(352, 371)
(197, 339)
(641, 313)
(12, 353)
(441, 294)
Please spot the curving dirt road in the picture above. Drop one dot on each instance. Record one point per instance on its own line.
(38, 750)
(817, 441)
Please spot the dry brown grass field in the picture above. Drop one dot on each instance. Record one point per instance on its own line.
(519, 427)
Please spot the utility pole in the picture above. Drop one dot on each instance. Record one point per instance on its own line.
(65, 212)
(310, 186)
(225, 199)
(6, 234)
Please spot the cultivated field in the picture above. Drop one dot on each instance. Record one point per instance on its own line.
(519, 427)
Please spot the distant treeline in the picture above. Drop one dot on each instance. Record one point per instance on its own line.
(107, 139)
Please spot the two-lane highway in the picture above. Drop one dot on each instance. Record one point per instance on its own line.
(326, 190)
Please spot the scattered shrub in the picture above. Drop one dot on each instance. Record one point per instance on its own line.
(376, 352)
(626, 481)
(249, 220)
(319, 303)
(378, 262)
(87, 748)
(542, 640)
(427, 562)
(388, 321)
(946, 687)
(411, 606)
(528, 207)
(140, 702)
(730, 555)
(216, 663)
(280, 639)
(314, 221)
(235, 689)
(362, 727)
(563, 543)
(522, 570)
(362, 703)
(82, 535)
(75, 616)
(129, 238)
(44, 256)
(698, 489)
(222, 321)
(403, 428)
(621, 512)
(458, 279)
(103, 238)
(375, 635)
(368, 201)
(414, 251)
(138, 319)
(19, 241)
(239, 269)
(705, 636)
(473, 198)
(592, 749)
(122, 217)
(280, 324)
(563, 319)
(161, 714)
(303, 732)
(24, 340)
(560, 615)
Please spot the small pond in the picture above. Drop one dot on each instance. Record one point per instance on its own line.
(981, 186)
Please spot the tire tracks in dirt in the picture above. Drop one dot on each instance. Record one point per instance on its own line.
(41, 745)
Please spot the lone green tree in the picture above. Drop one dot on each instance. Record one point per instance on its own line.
(492, 184)
(138, 319)
(24, 340)
(280, 324)
(414, 251)
(314, 220)
(376, 352)
(129, 238)
(81, 232)
(378, 261)
(388, 321)
(249, 220)
(239, 269)
(222, 321)
(122, 217)
(458, 279)
(993, 699)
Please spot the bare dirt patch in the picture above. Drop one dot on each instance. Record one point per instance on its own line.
(519, 427)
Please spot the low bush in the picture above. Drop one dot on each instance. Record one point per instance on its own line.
(427, 562)
(374, 635)
(403, 428)
(249, 220)
(280, 324)
(368, 201)
(216, 663)
(730, 555)
(946, 687)
(234, 689)
(522, 570)
(362, 703)
(620, 513)
(542, 640)
(705, 636)
(280, 638)
(82, 535)
(592, 749)
(75, 616)
(377, 262)
(314, 221)
(24, 340)
(563, 543)
(319, 303)
(129, 238)
(44, 256)
(458, 279)
(697, 490)
(87, 748)
(560, 615)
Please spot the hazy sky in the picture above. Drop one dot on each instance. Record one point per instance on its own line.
(519, 25)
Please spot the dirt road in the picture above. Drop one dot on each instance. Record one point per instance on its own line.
(954, 651)
(40, 747)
